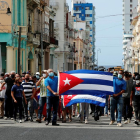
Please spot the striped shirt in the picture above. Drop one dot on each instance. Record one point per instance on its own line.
(28, 88)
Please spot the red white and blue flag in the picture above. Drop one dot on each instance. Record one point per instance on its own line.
(85, 86)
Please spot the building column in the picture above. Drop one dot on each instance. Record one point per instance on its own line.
(10, 59)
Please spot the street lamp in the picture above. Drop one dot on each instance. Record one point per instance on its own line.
(4, 6)
(99, 50)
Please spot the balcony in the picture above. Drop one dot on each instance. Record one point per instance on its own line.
(53, 41)
(33, 3)
(56, 26)
(54, 5)
(33, 39)
(77, 11)
(66, 7)
(124, 53)
(46, 38)
(124, 47)
(134, 32)
(42, 2)
(138, 9)
(23, 30)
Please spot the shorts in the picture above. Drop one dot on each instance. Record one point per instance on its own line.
(35, 105)
(63, 107)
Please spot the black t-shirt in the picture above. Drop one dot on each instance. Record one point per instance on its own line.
(136, 90)
(9, 83)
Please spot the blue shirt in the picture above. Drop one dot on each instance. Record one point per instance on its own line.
(119, 85)
(53, 83)
(17, 90)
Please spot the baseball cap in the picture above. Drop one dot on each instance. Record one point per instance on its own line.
(37, 73)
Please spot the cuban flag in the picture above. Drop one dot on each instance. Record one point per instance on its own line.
(85, 86)
(69, 100)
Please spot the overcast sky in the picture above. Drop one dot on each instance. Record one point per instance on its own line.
(108, 31)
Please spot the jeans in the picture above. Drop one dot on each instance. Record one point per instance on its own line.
(127, 109)
(42, 102)
(30, 105)
(106, 105)
(17, 106)
(113, 102)
(8, 106)
(84, 108)
(52, 101)
(137, 109)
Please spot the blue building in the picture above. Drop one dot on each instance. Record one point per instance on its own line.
(86, 12)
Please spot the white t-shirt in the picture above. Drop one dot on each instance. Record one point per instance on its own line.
(2, 93)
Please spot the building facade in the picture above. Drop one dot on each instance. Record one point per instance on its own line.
(129, 10)
(9, 34)
(86, 12)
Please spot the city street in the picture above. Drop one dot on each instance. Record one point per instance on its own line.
(76, 131)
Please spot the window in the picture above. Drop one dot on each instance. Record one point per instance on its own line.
(87, 15)
(131, 1)
(130, 15)
(77, 8)
(130, 10)
(87, 8)
(130, 20)
(130, 5)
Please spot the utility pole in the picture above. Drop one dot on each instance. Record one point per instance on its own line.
(19, 43)
(41, 50)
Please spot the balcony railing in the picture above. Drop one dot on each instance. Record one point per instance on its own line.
(54, 5)
(46, 38)
(33, 38)
(53, 41)
(77, 11)
(23, 30)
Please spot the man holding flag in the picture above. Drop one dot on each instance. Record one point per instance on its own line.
(116, 99)
(51, 84)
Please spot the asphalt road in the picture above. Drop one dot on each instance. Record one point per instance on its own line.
(69, 131)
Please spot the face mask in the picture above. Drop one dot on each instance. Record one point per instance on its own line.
(27, 79)
(137, 81)
(1, 81)
(13, 76)
(51, 74)
(37, 76)
(119, 76)
(44, 75)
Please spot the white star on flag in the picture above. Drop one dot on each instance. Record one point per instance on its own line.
(67, 81)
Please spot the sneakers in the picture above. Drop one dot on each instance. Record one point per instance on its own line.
(111, 123)
(5, 118)
(20, 121)
(12, 118)
(38, 120)
(126, 122)
(26, 119)
(86, 120)
(136, 122)
(78, 115)
(119, 124)
(31, 119)
(129, 121)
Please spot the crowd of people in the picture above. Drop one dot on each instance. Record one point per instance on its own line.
(29, 94)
